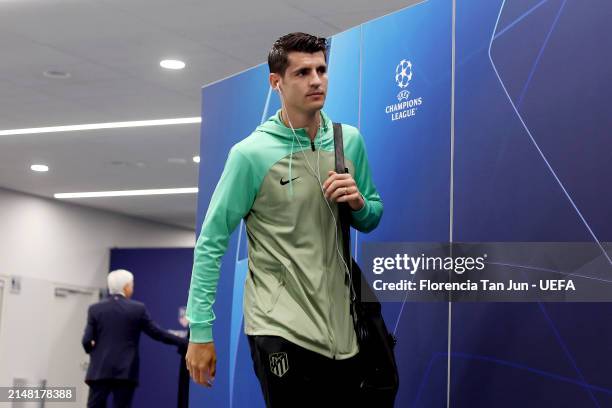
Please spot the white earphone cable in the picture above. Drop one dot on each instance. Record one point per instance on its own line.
(317, 175)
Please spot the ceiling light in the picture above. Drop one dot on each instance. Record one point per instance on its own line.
(125, 193)
(107, 125)
(196, 159)
(172, 64)
(56, 74)
(39, 167)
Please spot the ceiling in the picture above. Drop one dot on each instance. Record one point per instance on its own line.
(112, 50)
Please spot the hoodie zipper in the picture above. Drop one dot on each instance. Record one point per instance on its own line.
(330, 334)
(330, 310)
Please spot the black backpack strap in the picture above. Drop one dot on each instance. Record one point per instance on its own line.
(339, 148)
(345, 213)
(342, 207)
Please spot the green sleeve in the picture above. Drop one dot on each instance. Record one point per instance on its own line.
(230, 202)
(367, 218)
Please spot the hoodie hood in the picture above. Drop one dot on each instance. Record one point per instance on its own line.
(275, 126)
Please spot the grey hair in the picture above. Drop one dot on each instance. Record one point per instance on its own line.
(117, 280)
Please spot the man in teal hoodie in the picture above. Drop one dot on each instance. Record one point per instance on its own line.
(281, 181)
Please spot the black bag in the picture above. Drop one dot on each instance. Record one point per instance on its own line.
(380, 379)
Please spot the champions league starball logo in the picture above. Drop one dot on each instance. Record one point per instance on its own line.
(182, 316)
(403, 73)
(182, 319)
(405, 107)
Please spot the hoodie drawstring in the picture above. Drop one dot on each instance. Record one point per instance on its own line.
(290, 163)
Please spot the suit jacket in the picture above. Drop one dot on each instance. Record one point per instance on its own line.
(115, 324)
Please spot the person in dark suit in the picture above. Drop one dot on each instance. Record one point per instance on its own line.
(111, 339)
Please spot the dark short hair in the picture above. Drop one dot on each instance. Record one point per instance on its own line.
(278, 57)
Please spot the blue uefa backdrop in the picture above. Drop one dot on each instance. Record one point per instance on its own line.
(523, 154)
(161, 281)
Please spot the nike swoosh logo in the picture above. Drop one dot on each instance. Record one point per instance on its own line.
(283, 182)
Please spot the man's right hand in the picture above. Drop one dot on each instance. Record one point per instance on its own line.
(201, 360)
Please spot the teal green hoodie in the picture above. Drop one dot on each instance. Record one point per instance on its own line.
(296, 286)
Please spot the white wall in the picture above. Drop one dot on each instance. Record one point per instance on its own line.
(68, 243)
(49, 244)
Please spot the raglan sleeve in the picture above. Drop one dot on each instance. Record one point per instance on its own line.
(368, 217)
(231, 201)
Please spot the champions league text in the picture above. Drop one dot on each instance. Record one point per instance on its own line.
(403, 109)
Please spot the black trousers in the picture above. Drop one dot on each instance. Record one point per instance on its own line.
(292, 376)
(122, 390)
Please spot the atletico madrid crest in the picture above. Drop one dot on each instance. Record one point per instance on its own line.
(279, 363)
